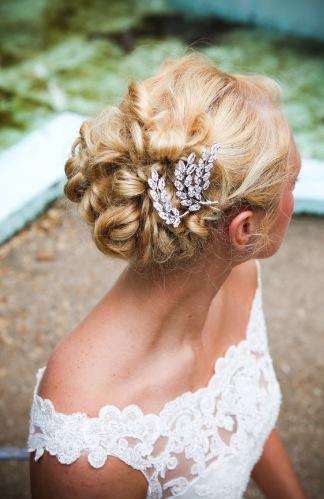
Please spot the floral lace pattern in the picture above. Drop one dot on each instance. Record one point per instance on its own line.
(201, 444)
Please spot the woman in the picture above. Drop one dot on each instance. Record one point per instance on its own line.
(167, 386)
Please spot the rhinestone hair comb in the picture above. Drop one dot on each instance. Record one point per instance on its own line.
(192, 179)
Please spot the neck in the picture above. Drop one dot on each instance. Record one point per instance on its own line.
(169, 311)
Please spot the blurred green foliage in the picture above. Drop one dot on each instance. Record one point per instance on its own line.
(80, 56)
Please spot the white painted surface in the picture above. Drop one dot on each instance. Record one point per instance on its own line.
(27, 168)
(309, 190)
(30, 169)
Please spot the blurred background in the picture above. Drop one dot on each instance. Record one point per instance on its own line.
(64, 60)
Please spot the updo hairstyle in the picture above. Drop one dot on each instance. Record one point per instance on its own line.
(188, 105)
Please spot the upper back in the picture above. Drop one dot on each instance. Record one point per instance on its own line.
(94, 360)
(156, 454)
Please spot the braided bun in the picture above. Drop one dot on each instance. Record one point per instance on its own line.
(187, 105)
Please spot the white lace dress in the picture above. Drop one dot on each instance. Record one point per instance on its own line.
(202, 444)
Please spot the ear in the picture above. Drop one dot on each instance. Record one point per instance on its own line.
(242, 228)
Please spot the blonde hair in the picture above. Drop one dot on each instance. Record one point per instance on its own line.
(187, 105)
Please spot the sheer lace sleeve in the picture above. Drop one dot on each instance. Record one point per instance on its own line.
(193, 448)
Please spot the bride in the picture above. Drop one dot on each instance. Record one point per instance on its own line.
(167, 386)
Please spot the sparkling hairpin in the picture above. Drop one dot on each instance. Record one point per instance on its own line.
(191, 180)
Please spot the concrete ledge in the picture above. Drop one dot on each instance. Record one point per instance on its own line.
(309, 190)
(32, 172)
(13, 454)
(32, 175)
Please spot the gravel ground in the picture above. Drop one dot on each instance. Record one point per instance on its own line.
(47, 274)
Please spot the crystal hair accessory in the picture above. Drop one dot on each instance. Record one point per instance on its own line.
(192, 178)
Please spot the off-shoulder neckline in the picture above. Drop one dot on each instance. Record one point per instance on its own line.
(189, 395)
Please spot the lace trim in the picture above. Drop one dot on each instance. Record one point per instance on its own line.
(242, 400)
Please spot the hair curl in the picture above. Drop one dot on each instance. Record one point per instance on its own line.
(187, 105)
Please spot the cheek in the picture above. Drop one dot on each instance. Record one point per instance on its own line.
(284, 213)
(286, 207)
(288, 204)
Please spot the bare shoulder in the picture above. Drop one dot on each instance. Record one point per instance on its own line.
(49, 479)
(80, 374)
(64, 379)
(72, 381)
